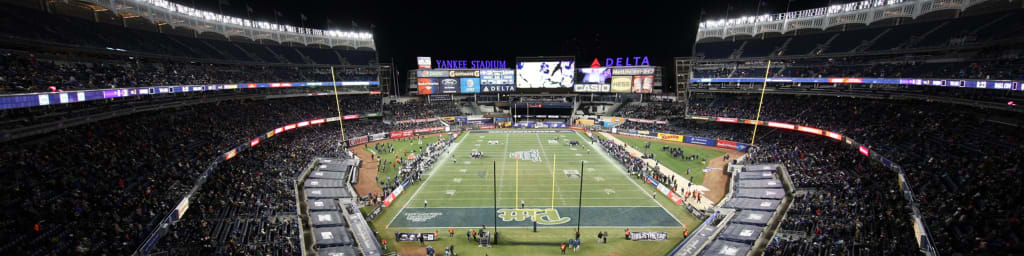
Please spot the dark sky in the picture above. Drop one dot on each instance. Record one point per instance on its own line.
(505, 29)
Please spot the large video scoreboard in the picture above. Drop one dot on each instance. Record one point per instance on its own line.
(628, 79)
(440, 81)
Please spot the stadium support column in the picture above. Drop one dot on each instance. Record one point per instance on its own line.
(579, 208)
(757, 120)
(337, 102)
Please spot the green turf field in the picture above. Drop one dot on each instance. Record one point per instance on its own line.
(676, 164)
(460, 194)
(402, 149)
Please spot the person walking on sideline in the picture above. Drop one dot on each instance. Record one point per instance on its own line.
(563, 248)
(424, 203)
(451, 232)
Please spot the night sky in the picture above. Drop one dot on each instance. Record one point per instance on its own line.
(506, 29)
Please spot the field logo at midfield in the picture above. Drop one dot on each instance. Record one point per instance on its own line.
(547, 216)
(531, 155)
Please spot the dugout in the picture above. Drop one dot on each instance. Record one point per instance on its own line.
(325, 183)
(331, 237)
(327, 193)
(326, 219)
(742, 233)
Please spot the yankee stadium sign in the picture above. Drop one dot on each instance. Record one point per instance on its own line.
(469, 64)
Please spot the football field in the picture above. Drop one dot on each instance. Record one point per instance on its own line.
(528, 176)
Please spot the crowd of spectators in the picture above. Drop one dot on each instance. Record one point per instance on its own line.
(956, 157)
(99, 188)
(247, 206)
(419, 109)
(846, 204)
(656, 110)
(984, 66)
(22, 71)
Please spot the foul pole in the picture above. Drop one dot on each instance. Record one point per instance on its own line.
(757, 120)
(337, 102)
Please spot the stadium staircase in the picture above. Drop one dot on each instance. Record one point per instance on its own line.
(739, 50)
(305, 59)
(824, 46)
(917, 39)
(867, 44)
(218, 51)
(989, 24)
(279, 58)
(782, 49)
(341, 59)
(247, 53)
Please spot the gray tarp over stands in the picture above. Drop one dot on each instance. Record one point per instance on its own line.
(322, 205)
(337, 251)
(327, 193)
(752, 217)
(748, 175)
(761, 167)
(325, 183)
(741, 233)
(326, 219)
(763, 183)
(753, 204)
(726, 248)
(327, 175)
(331, 237)
(760, 193)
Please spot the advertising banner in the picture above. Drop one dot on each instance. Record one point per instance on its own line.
(726, 144)
(622, 84)
(643, 132)
(426, 89)
(497, 88)
(699, 141)
(487, 127)
(401, 134)
(591, 87)
(675, 198)
(652, 181)
(576, 127)
(429, 130)
(449, 85)
(469, 85)
(742, 146)
(394, 194)
(379, 136)
(670, 137)
(643, 84)
(415, 237)
(358, 140)
(648, 236)
(479, 121)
